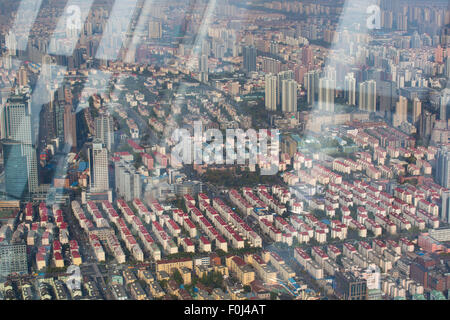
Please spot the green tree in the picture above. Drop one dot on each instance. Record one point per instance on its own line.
(177, 276)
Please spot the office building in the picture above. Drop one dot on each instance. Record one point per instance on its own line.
(17, 128)
(70, 127)
(98, 166)
(368, 96)
(16, 168)
(59, 110)
(104, 130)
(350, 287)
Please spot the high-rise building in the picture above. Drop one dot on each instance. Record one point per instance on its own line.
(154, 29)
(289, 95)
(299, 74)
(104, 130)
(59, 117)
(98, 166)
(445, 206)
(387, 92)
(271, 92)
(330, 73)
(326, 94)
(417, 110)
(401, 112)
(443, 167)
(16, 168)
(13, 259)
(70, 126)
(443, 104)
(307, 56)
(203, 67)
(270, 65)
(402, 22)
(447, 67)
(249, 58)
(350, 89)
(427, 120)
(127, 180)
(368, 96)
(350, 287)
(17, 127)
(438, 54)
(312, 85)
(273, 49)
(22, 77)
(284, 75)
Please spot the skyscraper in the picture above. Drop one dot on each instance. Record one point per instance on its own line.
(154, 30)
(442, 167)
(22, 77)
(70, 127)
(417, 110)
(271, 92)
(443, 104)
(98, 166)
(447, 67)
(350, 89)
(326, 94)
(104, 130)
(203, 67)
(16, 127)
(312, 85)
(59, 118)
(427, 120)
(284, 75)
(307, 56)
(16, 168)
(289, 95)
(368, 96)
(401, 112)
(273, 49)
(127, 180)
(330, 73)
(249, 58)
(445, 206)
